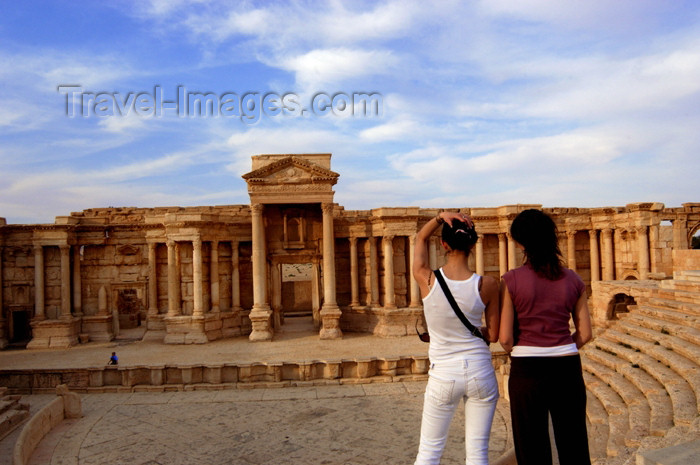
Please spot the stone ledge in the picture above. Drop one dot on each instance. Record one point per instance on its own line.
(681, 454)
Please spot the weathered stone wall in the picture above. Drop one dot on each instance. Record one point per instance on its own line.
(188, 274)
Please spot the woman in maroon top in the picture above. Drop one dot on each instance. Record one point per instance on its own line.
(538, 300)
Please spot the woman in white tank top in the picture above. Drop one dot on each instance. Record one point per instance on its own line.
(460, 363)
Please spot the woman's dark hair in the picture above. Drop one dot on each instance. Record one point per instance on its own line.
(537, 233)
(459, 236)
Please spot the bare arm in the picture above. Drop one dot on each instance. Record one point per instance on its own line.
(489, 295)
(582, 322)
(505, 334)
(421, 258)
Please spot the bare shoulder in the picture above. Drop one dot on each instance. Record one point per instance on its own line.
(489, 285)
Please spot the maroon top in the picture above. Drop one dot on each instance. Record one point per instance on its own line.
(542, 307)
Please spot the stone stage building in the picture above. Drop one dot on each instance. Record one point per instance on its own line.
(197, 274)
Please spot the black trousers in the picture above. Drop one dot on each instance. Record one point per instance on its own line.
(543, 386)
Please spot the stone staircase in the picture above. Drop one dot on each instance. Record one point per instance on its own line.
(643, 376)
(12, 412)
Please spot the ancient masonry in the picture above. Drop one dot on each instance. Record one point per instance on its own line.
(196, 274)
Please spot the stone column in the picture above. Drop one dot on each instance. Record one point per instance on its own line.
(261, 312)
(608, 258)
(39, 306)
(152, 280)
(354, 277)
(389, 297)
(571, 249)
(502, 254)
(330, 313)
(65, 281)
(77, 283)
(173, 281)
(511, 252)
(373, 272)
(235, 278)
(654, 247)
(214, 277)
(643, 251)
(480, 255)
(595, 258)
(197, 287)
(416, 301)
(680, 233)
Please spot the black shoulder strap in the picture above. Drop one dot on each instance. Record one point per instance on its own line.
(446, 290)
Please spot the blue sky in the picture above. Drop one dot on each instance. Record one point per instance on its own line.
(484, 103)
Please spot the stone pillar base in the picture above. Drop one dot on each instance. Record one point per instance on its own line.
(98, 327)
(156, 322)
(396, 322)
(260, 319)
(185, 329)
(330, 322)
(231, 324)
(55, 334)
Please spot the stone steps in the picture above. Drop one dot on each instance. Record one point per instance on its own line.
(661, 409)
(679, 334)
(689, 308)
(12, 413)
(681, 354)
(680, 364)
(680, 285)
(665, 314)
(636, 403)
(681, 394)
(688, 275)
(681, 295)
(617, 413)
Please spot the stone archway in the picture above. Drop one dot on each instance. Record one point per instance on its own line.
(619, 304)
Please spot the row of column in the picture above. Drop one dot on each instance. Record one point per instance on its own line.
(174, 297)
(606, 252)
(507, 261)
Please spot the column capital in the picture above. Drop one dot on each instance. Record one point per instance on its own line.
(38, 247)
(388, 237)
(327, 208)
(641, 229)
(593, 232)
(64, 247)
(607, 231)
(197, 241)
(170, 243)
(571, 233)
(257, 208)
(353, 239)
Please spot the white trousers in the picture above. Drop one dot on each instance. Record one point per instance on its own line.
(448, 383)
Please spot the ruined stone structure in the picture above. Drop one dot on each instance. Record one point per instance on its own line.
(198, 274)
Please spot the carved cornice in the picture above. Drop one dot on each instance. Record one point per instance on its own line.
(317, 173)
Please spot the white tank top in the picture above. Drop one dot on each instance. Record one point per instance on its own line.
(449, 339)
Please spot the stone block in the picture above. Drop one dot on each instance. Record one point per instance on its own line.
(71, 402)
(681, 454)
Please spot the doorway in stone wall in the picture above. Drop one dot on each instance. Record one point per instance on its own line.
(297, 296)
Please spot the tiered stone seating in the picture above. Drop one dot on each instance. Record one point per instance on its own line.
(643, 374)
(12, 412)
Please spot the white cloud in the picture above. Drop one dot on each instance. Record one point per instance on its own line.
(323, 67)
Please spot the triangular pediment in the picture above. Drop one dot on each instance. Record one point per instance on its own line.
(291, 170)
